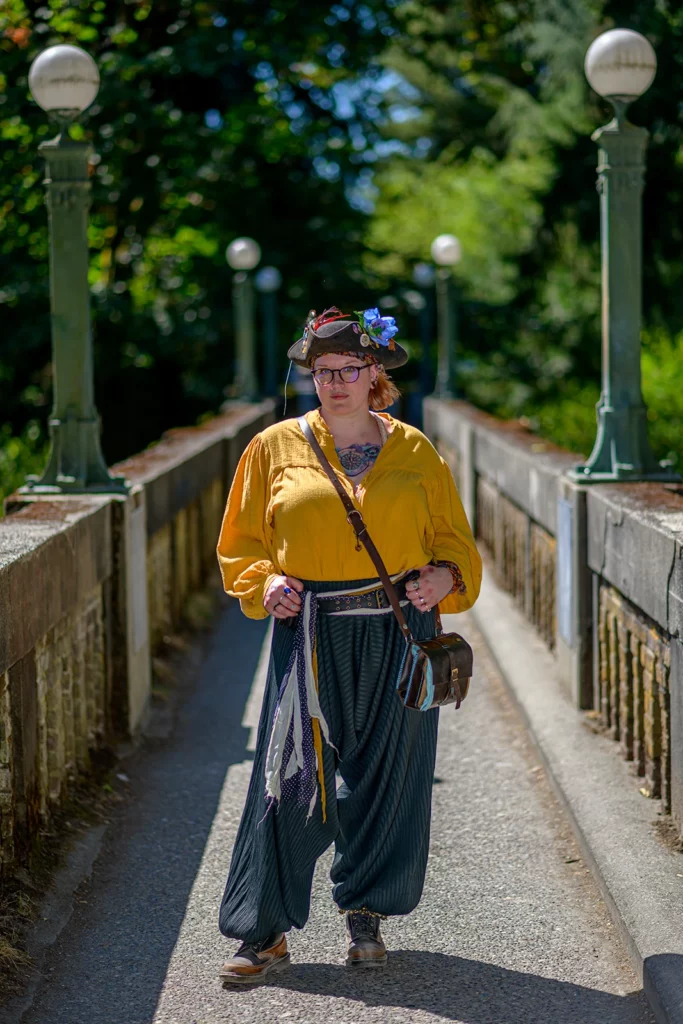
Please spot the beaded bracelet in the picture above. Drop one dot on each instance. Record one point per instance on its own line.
(458, 582)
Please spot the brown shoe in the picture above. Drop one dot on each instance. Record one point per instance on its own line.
(366, 948)
(253, 961)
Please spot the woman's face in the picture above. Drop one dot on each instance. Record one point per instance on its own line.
(339, 397)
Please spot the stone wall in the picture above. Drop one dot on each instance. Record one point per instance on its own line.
(89, 586)
(598, 571)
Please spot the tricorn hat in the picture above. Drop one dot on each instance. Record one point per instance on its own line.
(366, 333)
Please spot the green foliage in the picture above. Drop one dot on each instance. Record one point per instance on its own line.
(20, 456)
(663, 394)
(213, 120)
(570, 419)
(490, 120)
(489, 205)
(217, 119)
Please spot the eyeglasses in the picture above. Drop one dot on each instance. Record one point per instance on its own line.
(347, 374)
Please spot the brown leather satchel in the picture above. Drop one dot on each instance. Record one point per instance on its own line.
(433, 672)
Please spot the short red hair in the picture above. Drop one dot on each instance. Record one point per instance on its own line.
(384, 392)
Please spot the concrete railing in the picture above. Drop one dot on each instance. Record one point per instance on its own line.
(89, 585)
(598, 571)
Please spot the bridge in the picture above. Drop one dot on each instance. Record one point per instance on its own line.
(551, 894)
(130, 685)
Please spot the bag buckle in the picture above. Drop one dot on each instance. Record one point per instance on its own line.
(355, 512)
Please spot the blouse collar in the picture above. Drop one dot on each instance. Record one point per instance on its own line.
(324, 434)
(326, 440)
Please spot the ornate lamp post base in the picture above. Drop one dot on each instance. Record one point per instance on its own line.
(75, 464)
(622, 451)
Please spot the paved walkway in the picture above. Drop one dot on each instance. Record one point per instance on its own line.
(511, 929)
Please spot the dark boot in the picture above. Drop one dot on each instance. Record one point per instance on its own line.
(254, 960)
(366, 948)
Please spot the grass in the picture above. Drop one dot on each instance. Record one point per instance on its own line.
(11, 958)
(15, 962)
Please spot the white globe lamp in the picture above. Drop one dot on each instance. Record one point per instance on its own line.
(446, 251)
(621, 65)
(64, 80)
(243, 254)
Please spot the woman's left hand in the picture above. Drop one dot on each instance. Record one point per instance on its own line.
(434, 583)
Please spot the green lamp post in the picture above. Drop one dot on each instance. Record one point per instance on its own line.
(64, 81)
(446, 252)
(268, 282)
(423, 304)
(620, 65)
(243, 255)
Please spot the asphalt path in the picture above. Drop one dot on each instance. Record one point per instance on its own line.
(511, 928)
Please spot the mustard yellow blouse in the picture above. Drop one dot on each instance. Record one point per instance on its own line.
(283, 517)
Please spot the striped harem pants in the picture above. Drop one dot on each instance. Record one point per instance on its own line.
(378, 816)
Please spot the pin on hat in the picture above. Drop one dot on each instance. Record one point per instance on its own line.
(363, 332)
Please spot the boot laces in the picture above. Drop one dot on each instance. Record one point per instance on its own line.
(257, 947)
(363, 926)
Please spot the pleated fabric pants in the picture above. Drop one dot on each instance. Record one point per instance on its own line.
(379, 816)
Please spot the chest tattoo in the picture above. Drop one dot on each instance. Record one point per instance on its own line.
(358, 458)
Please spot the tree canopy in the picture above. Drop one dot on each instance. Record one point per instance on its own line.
(343, 137)
(213, 120)
(493, 115)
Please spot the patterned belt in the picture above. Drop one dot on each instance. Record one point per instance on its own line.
(375, 600)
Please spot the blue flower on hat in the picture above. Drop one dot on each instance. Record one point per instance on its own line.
(380, 328)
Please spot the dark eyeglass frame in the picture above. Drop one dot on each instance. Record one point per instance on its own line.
(328, 374)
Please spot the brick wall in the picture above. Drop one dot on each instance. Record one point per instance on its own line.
(597, 570)
(88, 588)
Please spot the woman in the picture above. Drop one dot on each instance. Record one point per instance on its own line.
(286, 550)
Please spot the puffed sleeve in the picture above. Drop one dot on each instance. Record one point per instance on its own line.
(452, 541)
(244, 542)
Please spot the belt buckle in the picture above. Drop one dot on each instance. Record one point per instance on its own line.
(379, 594)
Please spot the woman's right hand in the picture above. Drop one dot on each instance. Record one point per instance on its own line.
(281, 599)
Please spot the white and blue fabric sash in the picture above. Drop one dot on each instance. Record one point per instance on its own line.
(294, 762)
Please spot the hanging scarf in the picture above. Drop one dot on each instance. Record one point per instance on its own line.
(294, 762)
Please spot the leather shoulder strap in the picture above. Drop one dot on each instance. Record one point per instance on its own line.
(355, 519)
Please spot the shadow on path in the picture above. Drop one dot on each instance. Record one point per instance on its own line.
(109, 965)
(456, 989)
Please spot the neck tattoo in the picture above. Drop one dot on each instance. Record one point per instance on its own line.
(358, 458)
